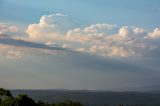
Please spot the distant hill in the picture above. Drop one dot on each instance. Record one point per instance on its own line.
(151, 88)
(95, 98)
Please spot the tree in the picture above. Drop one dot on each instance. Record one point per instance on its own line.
(68, 103)
(120, 105)
(41, 103)
(4, 93)
(6, 99)
(7, 102)
(24, 100)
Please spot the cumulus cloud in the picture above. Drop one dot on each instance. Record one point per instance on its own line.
(119, 51)
(49, 27)
(92, 33)
(10, 52)
(94, 28)
(81, 35)
(94, 39)
(7, 29)
(111, 51)
(127, 41)
(14, 54)
(57, 27)
(66, 46)
(82, 50)
(15, 48)
(128, 33)
(155, 34)
(56, 32)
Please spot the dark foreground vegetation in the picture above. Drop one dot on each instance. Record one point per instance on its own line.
(6, 99)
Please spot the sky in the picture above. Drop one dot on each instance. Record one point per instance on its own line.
(85, 44)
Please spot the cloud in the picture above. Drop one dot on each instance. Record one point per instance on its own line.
(126, 42)
(101, 38)
(11, 52)
(22, 43)
(109, 40)
(119, 51)
(155, 34)
(16, 48)
(95, 28)
(92, 33)
(51, 44)
(7, 29)
(66, 46)
(128, 33)
(58, 27)
(49, 27)
(85, 35)
(14, 54)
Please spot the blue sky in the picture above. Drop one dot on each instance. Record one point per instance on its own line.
(85, 44)
(142, 13)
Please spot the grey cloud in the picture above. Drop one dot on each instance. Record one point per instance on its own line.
(22, 43)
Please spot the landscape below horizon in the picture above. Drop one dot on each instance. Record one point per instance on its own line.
(95, 97)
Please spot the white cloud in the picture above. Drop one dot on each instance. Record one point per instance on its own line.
(66, 46)
(52, 44)
(57, 27)
(82, 50)
(95, 28)
(94, 39)
(106, 50)
(128, 33)
(101, 38)
(155, 34)
(93, 33)
(15, 48)
(14, 54)
(127, 42)
(49, 27)
(124, 31)
(77, 35)
(10, 52)
(7, 29)
(119, 51)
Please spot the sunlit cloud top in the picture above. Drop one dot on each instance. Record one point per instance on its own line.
(99, 39)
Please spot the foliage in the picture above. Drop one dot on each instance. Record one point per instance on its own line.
(24, 100)
(68, 103)
(6, 99)
(4, 93)
(7, 102)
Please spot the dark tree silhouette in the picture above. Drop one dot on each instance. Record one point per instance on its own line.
(7, 102)
(24, 100)
(6, 99)
(4, 93)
